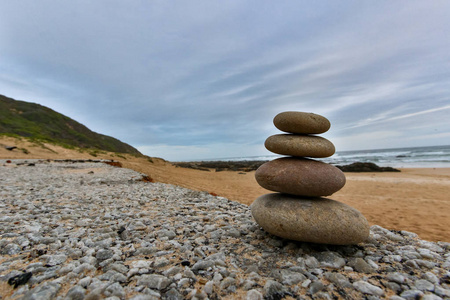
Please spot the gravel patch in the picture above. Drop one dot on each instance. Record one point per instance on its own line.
(87, 230)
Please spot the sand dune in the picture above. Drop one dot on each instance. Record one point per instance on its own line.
(415, 200)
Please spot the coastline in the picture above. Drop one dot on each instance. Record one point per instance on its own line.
(100, 231)
(415, 199)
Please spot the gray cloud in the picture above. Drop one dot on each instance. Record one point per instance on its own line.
(185, 79)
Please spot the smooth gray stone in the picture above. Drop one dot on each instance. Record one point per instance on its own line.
(329, 259)
(367, 288)
(254, 295)
(301, 122)
(360, 265)
(272, 288)
(315, 220)
(104, 254)
(115, 289)
(338, 279)
(44, 291)
(316, 286)
(75, 293)
(300, 176)
(154, 281)
(299, 145)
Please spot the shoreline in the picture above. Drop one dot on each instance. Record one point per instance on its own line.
(415, 199)
(100, 231)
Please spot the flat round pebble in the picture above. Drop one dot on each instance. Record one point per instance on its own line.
(317, 220)
(300, 145)
(300, 176)
(301, 122)
(108, 234)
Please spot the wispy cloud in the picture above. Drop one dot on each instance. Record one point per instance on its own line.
(161, 75)
(420, 113)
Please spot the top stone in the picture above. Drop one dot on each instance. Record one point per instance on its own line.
(301, 122)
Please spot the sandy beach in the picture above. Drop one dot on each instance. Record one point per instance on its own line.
(415, 200)
(76, 229)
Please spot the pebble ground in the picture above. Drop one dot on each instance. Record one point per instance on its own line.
(87, 230)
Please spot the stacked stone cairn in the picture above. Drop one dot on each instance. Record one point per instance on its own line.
(298, 211)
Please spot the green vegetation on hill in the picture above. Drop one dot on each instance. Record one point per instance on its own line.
(34, 121)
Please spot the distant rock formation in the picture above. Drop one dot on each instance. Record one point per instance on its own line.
(365, 167)
(218, 166)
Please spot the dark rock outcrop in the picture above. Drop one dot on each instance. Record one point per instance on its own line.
(365, 167)
(242, 166)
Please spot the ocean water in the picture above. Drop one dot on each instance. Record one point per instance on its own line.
(416, 157)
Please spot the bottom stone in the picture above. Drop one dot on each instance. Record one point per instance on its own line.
(315, 220)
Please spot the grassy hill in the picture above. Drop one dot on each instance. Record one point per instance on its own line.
(37, 122)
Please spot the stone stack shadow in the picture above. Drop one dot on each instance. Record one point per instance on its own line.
(298, 210)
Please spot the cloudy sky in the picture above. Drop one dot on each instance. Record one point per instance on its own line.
(188, 80)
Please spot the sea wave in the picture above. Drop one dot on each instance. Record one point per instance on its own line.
(417, 157)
